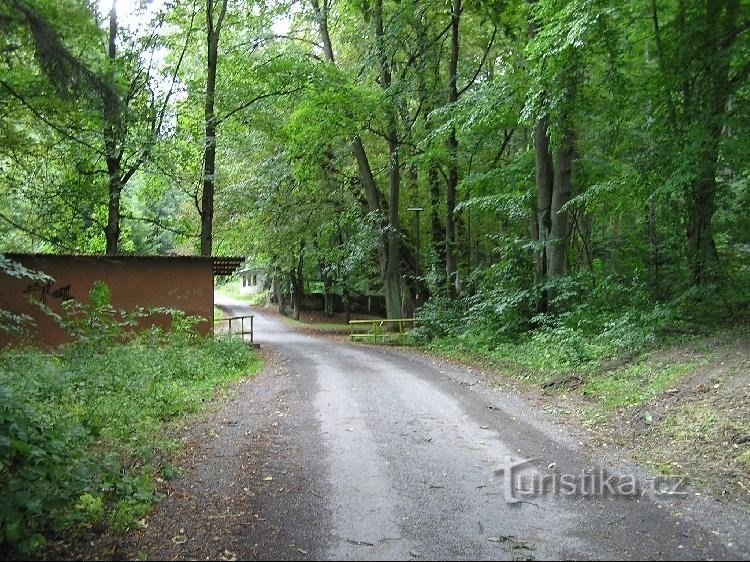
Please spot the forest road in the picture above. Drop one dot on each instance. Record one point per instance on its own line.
(343, 451)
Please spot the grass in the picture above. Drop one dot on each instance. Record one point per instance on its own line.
(701, 438)
(323, 327)
(633, 385)
(84, 432)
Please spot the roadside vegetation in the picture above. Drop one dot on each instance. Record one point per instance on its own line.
(558, 187)
(670, 388)
(85, 430)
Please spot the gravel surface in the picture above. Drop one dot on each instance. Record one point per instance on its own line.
(341, 451)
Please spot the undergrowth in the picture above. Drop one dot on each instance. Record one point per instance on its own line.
(82, 429)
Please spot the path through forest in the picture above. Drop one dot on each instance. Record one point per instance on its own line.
(341, 451)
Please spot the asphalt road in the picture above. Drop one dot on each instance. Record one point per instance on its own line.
(342, 451)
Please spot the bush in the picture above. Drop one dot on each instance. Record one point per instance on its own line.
(73, 422)
(586, 323)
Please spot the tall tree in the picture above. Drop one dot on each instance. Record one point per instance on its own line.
(388, 248)
(451, 265)
(215, 13)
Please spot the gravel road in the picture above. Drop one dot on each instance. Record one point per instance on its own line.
(342, 451)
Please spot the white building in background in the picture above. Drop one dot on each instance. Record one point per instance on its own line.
(252, 280)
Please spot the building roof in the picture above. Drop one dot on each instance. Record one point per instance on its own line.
(226, 265)
(222, 265)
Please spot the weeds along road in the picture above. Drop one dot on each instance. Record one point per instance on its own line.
(340, 451)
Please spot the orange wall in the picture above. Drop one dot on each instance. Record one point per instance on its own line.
(182, 283)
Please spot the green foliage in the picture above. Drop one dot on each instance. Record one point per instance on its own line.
(633, 385)
(74, 425)
(96, 323)
(11, 322)
(587, 326)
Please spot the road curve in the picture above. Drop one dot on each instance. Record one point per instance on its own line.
(405, 451)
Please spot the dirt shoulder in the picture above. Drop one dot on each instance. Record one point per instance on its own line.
(697, 426)
(247, 483)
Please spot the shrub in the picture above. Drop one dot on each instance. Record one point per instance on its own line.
(73, 421)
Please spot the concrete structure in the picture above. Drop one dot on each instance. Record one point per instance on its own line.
(180, 282)
(253, 280)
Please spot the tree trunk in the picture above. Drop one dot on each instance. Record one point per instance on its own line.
(450, 219)
(701, 206)
(558, 233)
(393, 278)
(451, 262)
(328, 297)
(213, 28)
(278, 290)
(436, 226)
(708, 111)
(321, 16)
(393, 267)
(112, 230)
(373, 201)
(111, 121)
(544, 184)
(298, 284)
(653, 242)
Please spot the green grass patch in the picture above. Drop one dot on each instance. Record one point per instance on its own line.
(712, 429)
(635, 384)
(329, 327)
(82, 431)
(231, 290)
(544, 356)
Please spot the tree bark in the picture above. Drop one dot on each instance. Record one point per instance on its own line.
(392, 281)
(393, 276)
(213, 29)
(298, 284)
(451, 262)
(544, 184)
(436, 225)
(321, 15)
(278, 290)
(113, 161)
(558, 233)
(328, 296)
(708, 111)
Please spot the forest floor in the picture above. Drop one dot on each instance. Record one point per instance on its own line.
(346, 451)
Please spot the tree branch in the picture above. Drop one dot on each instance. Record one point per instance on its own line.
(159, 121)
(244, 105)
(155, 222)
(481, 63)
(49, 123)
(36, 234)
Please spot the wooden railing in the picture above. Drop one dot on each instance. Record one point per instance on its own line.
(379, 330)
(242, 319)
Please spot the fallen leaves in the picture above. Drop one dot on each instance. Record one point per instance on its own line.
(228, 555)
(180, 538)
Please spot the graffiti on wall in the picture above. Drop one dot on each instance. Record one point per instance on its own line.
(47, 290)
